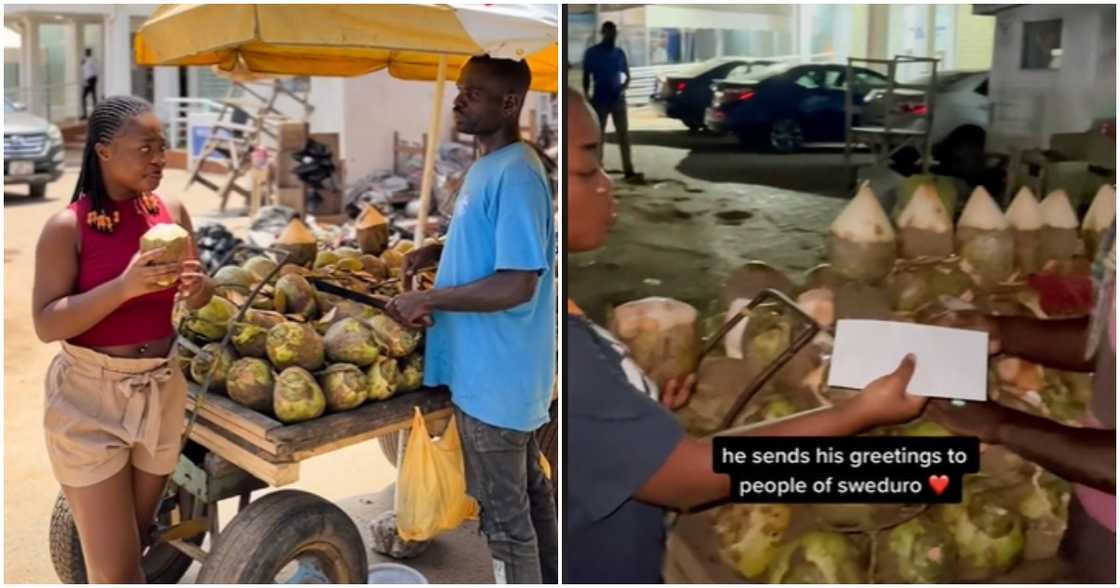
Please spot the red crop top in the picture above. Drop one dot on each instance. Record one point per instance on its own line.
(103, 257)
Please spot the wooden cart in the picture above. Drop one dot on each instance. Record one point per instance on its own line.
(289, 536)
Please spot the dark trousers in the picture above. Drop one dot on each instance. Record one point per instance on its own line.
(89, 89)
(518, 515)
(617, 112)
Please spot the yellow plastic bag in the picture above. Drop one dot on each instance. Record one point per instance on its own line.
(431, 488)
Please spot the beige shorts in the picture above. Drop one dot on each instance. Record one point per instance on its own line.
(103, 413)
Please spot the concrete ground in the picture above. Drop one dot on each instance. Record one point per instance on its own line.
(707, 207)
(358, 478)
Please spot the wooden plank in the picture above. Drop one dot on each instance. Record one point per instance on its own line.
(247, 424)
(373, 417)
(253, 460)
(430, 417)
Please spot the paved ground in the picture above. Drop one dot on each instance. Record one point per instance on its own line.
(356, 477)
(708, 207)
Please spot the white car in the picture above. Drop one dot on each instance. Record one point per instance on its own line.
(962, 113)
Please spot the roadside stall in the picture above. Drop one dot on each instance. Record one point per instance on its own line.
(295, 357)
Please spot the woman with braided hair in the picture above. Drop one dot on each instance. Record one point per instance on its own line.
(114, 400)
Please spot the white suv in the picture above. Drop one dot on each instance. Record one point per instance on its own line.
(962, 114)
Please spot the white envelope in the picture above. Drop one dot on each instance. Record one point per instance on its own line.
(952, 363)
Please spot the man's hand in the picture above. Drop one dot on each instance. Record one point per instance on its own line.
(973, 321)
(974, 419)
(676, 392)
(885, 401)
(418, 259)
(411, 309)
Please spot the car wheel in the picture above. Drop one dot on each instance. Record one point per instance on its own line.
(963, 151)
(38, 190)
(785, 136)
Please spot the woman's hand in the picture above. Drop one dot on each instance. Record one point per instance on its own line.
(192, 280)
(142, 276)
(885, 401)
(676, 392)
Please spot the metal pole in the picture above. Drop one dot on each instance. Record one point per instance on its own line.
(430, 152)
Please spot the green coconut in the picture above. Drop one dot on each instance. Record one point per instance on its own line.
(925, 229)
(1098, 219)
(984, 241)
(861, 242)
(250, 383)
(347, 253)
(919, 551)
(250, 340)
(213, 357)
(383, 378)
(349, 341)
(344, 385)
(211, 322)
(260, 265)
(1062, 401)
(372, 265)
(325, 258)
(412, 372)
(1044, 505)
(295, 295)
(350, 264)
(662, 334)
(297, 396)
(1025, 217)
(393, 337)
(170, 237)
(988, 532)
(300, 243)
(1060, 240)
(819, 557)
(295, 344)
(234, 276)
(766, 336)
(749, 535)
(910, 287)
(393, 259)
(719, 380)
(773, 408)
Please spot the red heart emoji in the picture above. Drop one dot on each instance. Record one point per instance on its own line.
(938, 483)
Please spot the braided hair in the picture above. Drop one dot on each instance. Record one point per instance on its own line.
(108, 117)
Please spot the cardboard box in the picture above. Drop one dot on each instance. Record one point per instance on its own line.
(292, 135)
(285, 166)
(294, 198)
(331, 204)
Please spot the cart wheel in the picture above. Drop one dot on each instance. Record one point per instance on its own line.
(388, 445)
(289, 537)
(163, 564)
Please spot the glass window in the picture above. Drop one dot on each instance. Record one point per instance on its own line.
(866, 81)
(1042, 45)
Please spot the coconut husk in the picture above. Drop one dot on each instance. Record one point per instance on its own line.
(1025, 217)
(861, 241)
(297, 396)
(663, 336)
(172, 238)
(861, 301)
(925, 230)
(260, 265)
(373, 231)
(984, 241)
(300, 243)
(1100, 216)
(1059, 239)
(250, 382)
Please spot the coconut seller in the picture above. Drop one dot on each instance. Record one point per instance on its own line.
(1085, 455)
(114, 403)
(629, 461)
(492, 317)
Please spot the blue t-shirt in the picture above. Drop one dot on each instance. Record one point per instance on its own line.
(616, 436)
(606, 66)
(499, 365)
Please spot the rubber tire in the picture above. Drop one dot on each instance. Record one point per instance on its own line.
(262, 538)
(37, 190)
(69, 563)
(783, 150)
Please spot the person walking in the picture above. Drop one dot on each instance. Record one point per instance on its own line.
(491, 321)
(605, 69)
(89, 80)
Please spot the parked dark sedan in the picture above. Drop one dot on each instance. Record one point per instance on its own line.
(685, 95)
(785, 106)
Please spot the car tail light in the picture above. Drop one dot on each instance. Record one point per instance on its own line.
(915, 109)
(744, 95)
(681, 86)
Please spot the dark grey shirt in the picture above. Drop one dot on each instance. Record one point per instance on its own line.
(616, 437)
